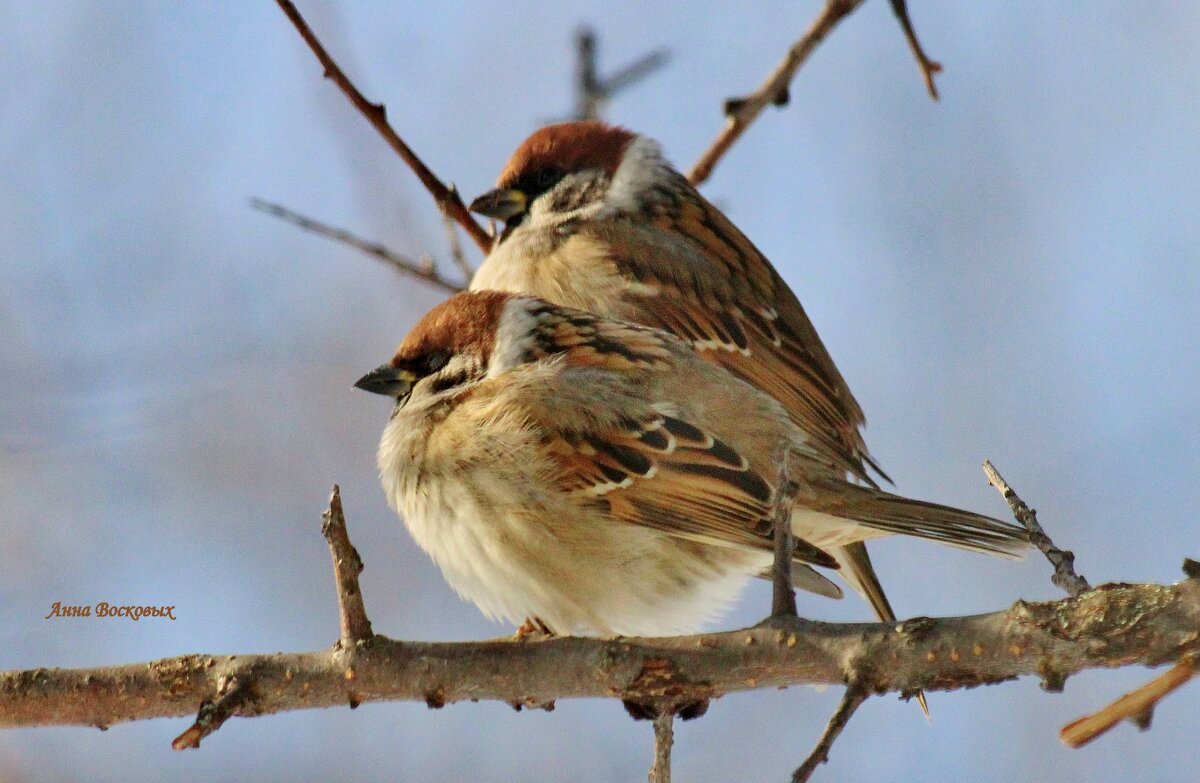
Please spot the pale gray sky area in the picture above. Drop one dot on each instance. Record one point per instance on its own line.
(1010, 273)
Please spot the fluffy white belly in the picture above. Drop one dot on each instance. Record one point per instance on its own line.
(576, 570)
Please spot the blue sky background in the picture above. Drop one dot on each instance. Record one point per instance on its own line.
(1011, 273)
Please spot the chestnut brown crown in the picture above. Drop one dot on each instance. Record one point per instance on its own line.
(564, 148)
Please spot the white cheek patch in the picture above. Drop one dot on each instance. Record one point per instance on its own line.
(514, 337)
(641, 169)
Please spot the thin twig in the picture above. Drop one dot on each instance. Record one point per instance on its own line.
(635, 71)
(928, 67)
(740, 112)
(424, 271)
(456, 249)
(592, 91)
(447, 198)
(587, 82)
(231, 694)
(1136, 705)
(347, 565)
(1062, 560)
(664, 738)
(852, 699)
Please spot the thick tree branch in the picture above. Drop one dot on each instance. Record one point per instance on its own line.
(423, 270)
(1062, 560)
(447, 198)
(1113, 625)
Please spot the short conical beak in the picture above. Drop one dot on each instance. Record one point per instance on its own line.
(501, 203)
(387, 380)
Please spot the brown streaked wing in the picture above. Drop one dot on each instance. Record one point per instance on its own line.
(666, 474)
(726, 299)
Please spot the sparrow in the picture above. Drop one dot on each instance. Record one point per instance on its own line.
(588, 475)
(596, 218)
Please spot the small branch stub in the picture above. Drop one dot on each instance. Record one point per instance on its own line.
(347, 565)
(231, 694)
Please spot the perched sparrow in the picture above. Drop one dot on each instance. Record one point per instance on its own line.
(598, 476)
(595, 218)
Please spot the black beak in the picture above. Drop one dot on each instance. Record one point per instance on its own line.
(502, 203)
(387, 380)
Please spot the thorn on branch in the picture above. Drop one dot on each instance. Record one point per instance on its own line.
(1062, 560)
(231, 695)
(422, 268)
(856, 693)
(447, 200)
(347, 565)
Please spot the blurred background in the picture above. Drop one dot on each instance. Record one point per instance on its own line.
(1010, 273)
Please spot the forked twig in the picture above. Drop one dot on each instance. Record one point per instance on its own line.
(928, 67)
(591, 90)
(447, 198)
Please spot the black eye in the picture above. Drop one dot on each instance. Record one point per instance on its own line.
(544, 179)
(435, 361)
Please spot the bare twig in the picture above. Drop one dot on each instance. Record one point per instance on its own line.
(592, 91)
(347, 565)
(587, 83)
(664, 738)
(1137, 705)
(1062, 560)
(740, 112)
(852, 699)
(928, 67)
(424, 271)
(456, 249)
(447, 198)
(231, 695)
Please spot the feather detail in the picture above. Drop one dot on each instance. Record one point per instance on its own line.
(666, 474)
